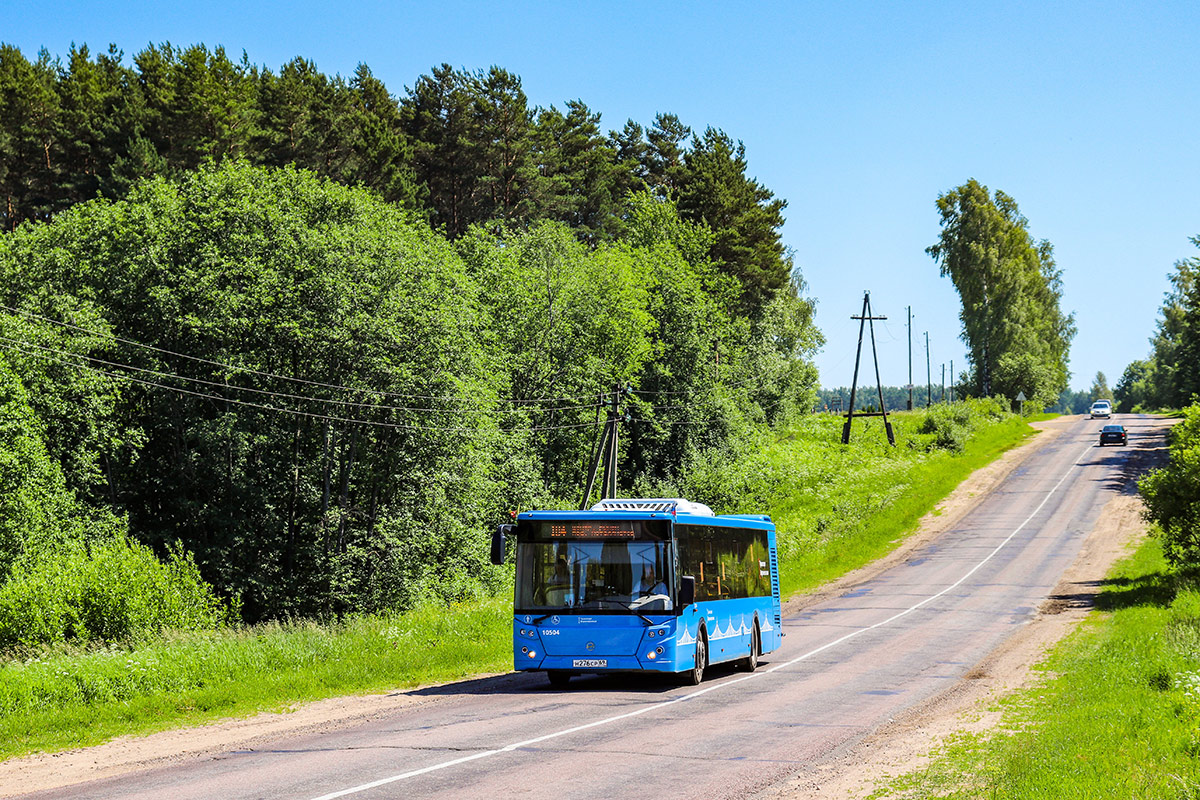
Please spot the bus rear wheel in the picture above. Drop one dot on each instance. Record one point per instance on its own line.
(558, 678)
(695, 675)
(750, 662)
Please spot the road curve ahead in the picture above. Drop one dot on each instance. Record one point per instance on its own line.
(847, 666)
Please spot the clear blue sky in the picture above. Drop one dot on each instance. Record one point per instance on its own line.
(858, 114)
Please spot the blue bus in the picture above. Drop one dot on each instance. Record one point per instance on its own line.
(654, 585)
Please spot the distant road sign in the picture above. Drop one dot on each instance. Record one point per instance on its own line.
(1020, 397)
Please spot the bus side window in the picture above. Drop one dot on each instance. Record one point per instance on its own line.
(694, 549)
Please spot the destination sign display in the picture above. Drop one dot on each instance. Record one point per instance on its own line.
(591, 530)
(594, 530)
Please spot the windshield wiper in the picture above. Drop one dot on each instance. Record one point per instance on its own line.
(641, 616)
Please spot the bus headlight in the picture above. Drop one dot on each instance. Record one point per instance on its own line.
(532, 654)
(651, 655)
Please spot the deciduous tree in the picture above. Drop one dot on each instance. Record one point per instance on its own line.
(1010, 288)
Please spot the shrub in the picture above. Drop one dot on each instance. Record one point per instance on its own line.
(1172, 494)
(952, 425)
(104, 591)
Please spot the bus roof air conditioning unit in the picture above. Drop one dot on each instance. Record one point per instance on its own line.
(661, 504)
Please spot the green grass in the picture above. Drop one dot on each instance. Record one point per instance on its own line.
(1117, 714)
(73, 699)
(836, 507)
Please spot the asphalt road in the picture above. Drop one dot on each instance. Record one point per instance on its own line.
(847, 666)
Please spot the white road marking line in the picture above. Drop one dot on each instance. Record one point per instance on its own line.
(690, 695)
(952, 586)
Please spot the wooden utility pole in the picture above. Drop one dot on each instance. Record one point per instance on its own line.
(928, 375)
(606, 452)
(910, 404)
(863, 319)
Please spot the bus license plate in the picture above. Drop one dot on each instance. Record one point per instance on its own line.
(590, 662)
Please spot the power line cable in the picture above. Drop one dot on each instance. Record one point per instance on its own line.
(283, 395)
(278, 409)
(305, 398)
(345, 403)
(249, 370)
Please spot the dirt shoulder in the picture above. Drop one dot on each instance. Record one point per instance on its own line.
(905, 743)
(129, 754)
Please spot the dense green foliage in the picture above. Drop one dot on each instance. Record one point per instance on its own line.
(1172, 493)
(326, 395)
(837, 507)
(1079, 402)
(1099, 389)
(67, 570)
(1017, 336)
(329, 404)
(38, 512)
(459, 148)
(1116, 715)
(110, 590)
(1168, 377)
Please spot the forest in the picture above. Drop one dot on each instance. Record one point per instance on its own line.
(304, 342)
(276, 344)
(457, 148)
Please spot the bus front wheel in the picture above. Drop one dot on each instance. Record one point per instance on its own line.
(696, 673)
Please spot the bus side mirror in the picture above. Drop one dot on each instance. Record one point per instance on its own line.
(687, 590)
(498, 542)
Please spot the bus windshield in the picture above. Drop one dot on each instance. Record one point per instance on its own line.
(574, 575)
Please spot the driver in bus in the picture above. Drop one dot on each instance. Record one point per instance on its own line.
(651, 587)
(559, 593)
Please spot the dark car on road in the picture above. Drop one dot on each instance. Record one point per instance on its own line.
(1112, 434)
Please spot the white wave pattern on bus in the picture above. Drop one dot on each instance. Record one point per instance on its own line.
(730, 632)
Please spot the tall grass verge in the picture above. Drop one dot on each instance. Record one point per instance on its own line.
(72, 698)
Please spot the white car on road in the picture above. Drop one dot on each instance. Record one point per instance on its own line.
(1101, 408)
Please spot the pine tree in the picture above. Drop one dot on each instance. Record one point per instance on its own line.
(438, 121)
(29, 126)
(745, 217)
